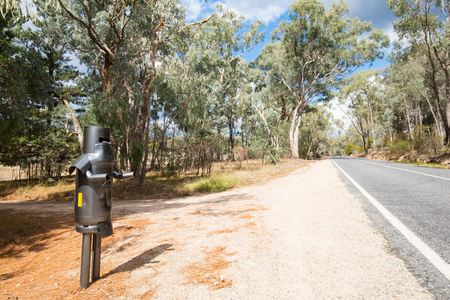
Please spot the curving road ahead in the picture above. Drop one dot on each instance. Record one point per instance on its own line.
(411, 206)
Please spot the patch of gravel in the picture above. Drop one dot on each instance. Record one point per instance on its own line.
(303, 236)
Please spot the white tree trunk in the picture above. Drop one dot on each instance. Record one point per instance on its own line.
(295, 127)
(294, 135)
(75, 121)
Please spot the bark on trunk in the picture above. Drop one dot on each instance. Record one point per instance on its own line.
(75, 121)
(295, 128)
(146, 149)
(437, 120)
(230, 128)
(447, 129)
(293, 136)
(372, 124)
(408, 120)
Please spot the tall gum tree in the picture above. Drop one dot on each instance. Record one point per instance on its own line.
(272, 102)
(121, 42)
(429, 33)
(321, 49)
(410, 95)
(363, 97)
(217, 50)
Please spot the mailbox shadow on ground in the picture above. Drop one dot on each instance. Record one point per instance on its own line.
(131, 207)
(141, 260)
(25, 212)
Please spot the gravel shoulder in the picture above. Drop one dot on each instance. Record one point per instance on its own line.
(303, 236)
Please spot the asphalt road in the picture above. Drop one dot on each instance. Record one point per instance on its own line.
(410, 205)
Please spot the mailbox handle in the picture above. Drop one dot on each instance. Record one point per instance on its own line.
(96, 177)
(123, 175)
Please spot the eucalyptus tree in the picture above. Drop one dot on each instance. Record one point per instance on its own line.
(269, 98)
(215, 78)
(18, 10)
(121, 42)
(321, 49)
(365, 94)
(411, 98)
(428, 33)
(316, 129)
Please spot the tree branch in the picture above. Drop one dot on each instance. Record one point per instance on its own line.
(196, 23)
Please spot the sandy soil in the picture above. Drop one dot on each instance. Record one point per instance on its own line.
(299, 237)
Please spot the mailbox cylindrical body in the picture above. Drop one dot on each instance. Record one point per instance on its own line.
(93, 187)
(95, 173)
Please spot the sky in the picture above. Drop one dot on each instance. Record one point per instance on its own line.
(271, 12)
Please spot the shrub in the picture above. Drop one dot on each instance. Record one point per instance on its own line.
(400, 147)
(348, 150)
(216, 183)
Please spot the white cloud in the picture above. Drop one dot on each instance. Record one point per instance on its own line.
(269, 10)
(264, 10)
(195, 9)
(393, 36)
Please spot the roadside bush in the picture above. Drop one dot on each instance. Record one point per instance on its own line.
(428, 145)
(348, 149)
(400, 147)
(216, 183)
(352, 148)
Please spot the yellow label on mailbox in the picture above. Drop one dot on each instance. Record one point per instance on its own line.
(80, 199)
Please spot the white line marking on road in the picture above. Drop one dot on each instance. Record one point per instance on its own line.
(426, 250)
(366, 162)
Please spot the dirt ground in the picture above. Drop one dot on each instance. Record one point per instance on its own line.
(302, 236)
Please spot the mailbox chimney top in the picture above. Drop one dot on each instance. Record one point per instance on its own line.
(94, 135)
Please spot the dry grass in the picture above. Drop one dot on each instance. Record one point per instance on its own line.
(209, 270)
(63, 191)
(225, 175)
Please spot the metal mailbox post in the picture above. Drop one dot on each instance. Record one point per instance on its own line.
(95, 172)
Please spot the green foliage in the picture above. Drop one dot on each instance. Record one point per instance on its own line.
(136, 153)
(321, 48)
(35, 130)
(348, 149)
(271, 159)
(179, 97)
(213, 184)
(353, 148)
(426, 33)
(121, 42)
(400, 147)
(314, 131)
(172, 168)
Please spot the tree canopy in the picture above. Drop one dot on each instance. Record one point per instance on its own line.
(180, 95)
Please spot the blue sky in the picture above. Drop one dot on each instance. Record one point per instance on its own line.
(272, 12)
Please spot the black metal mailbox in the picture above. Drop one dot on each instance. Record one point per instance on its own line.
(95, 172)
